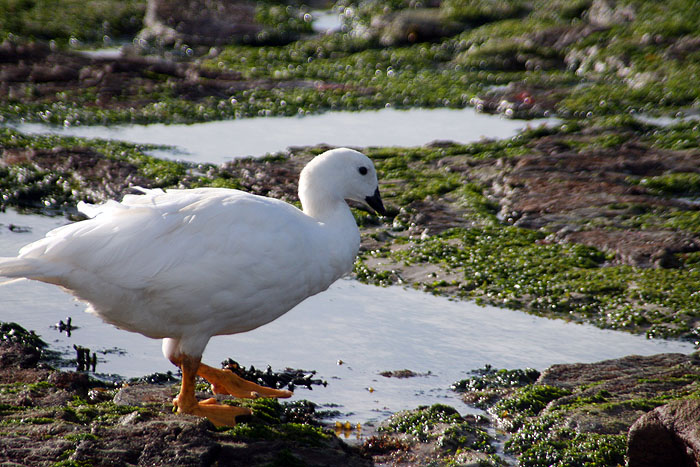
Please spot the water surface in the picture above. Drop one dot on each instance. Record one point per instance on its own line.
(220, 141)
(369, 329)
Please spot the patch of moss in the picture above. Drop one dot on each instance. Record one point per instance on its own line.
(78, 437)
(283, 18)
(72, 463)
(6, 409)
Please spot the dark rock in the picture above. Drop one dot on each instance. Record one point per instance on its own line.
(73, 381)
(656, 248)
(589, 196)
(200, 22)
(16, 355)
(413, 25)
(668, 435)
(400, 374)
(118, 82)
(617, 372)
(209, 23)
(516, 101)
(624, 379)
(142, 394)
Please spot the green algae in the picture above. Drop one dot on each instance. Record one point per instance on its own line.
(77, 437)
(491, 378)
(452, 435)
(529, 400)
(29, 186)
(584, 424)
(16, 334)
(283, 19)
(644, 64)
(72, 21)
(505, 265)
(458, 436)
(544, 442)
(83, 412)
(678, 183)
(419, 423)
(273, 420)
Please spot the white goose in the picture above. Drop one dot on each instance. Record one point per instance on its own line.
(186, 265)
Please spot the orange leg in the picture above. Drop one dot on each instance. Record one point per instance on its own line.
(227, 382)
(218, 414)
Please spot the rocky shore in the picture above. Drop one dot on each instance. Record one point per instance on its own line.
(595, 219)
(643, 409)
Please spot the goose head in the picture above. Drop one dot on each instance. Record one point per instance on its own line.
(338, 175)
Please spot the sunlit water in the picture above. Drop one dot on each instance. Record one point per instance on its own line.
(369, 329)
(326, 21)
(221, 141)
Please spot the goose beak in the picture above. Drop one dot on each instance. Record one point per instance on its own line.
(375, 202)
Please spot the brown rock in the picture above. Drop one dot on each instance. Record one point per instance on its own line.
(655, 248)
(201, 22)
(667, 436)
(590, 196)
(143, 394)
(18, 355)
(610, 13)
(409, 26)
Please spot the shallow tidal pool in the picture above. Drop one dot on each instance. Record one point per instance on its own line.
(348, 334)
(219, 141)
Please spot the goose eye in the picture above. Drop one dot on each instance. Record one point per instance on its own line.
(362, 170)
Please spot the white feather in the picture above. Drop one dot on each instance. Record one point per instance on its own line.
(191, 264)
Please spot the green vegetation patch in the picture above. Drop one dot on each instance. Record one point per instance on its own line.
(420, 422)
(530, 400)
(54, 172)
(16, 334)
(273, 420)
(679, 183)
(491, 378)
(83, 412)
(452, 435)
(72, 21)
(545, 442)
(508, 266)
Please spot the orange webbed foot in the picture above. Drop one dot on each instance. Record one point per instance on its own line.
(227, 382)
(218, 414)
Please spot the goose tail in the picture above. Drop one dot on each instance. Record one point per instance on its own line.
(17, 268)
